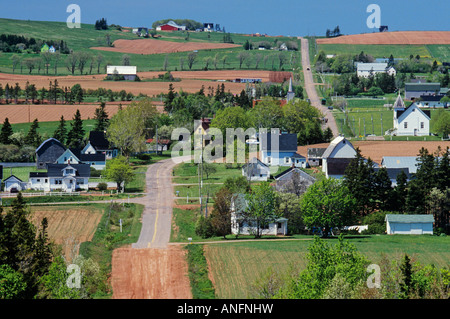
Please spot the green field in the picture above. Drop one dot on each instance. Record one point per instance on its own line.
(235, 267)
(377, 51)
(84, 38)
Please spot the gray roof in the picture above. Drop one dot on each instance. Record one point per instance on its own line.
(333, 145)
(372, 66)
(316, 152)
(56, 170)
(286, 142)
(393, 172)
(403, 218)
(409, 162)
(422, 87)
(291, 170)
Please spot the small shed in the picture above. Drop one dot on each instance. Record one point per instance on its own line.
(15, 183)
(409, 224)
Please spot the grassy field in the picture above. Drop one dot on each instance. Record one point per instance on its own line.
(235, 267)
(440, 52)
(377, 51)
(84, 38)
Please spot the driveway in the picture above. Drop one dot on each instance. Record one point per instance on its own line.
(311, 89)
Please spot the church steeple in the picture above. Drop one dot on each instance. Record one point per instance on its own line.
(399, 104)
(290, 94)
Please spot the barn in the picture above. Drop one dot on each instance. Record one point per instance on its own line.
(409, 224)
(128, 72)
(170, 26)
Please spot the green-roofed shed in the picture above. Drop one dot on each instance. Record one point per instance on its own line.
(409, 224)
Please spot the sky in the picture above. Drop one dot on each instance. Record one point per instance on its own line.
(272, 17)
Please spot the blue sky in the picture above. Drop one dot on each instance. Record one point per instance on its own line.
(274, 17)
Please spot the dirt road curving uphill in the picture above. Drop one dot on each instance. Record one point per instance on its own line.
(311, 90)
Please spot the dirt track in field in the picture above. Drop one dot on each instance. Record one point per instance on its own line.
(397, 37)
(153, 46)
(150, 273)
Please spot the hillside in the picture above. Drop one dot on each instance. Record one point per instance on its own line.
(167, 52)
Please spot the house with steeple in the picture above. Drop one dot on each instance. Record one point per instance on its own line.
(411, 120)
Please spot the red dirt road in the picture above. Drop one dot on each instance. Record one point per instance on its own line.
(150, 274)
(153, 46)
(398, 37)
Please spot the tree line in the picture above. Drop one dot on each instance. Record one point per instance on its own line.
(55, 94)
(19, 43)
(20, 147)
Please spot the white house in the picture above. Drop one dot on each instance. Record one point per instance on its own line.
(255, 170)
(98, 143)
(61, 177)
(409, 224)
(410, 120)
(242, 226)
(337, 156)
(14, 183)
(367, 69)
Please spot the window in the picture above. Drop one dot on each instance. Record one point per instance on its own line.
(269, 160)
(422, 124)
(287, 160)
(405, 125)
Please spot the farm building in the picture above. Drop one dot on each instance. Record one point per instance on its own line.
(128, 72)
(255, 170)
(170, 26)
(409, 224)
(61, 177)
(13, 183)
(416, 90)
(243, 226)
(367, 69)
(280, 149)
(408, 162)
(394, 172)
(208, 27)
(48, 152)
(410, 120)
(314, 156)
(431, 101)
(293, 180)
(337, 156)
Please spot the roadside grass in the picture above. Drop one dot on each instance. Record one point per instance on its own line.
(236, 267)
(201, 285)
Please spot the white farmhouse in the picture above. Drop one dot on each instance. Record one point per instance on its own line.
(243, 226)
(367, 69)
(410, 120)
(61, 177)
(409, 224)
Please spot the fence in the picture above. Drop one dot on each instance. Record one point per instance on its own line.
(7, 194)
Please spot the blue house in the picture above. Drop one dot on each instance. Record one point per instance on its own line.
(74, 156)
(280, 150)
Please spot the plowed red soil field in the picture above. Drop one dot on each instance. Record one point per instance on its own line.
(397, 37)
(150, 274)
(152, 46)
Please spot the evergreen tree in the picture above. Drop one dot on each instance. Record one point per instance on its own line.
(400, 193)
(6, 132)
(33, 138)
(359, 179)
(169, 99)
(61, 131)
(383, 189)
(101, 118)
(76, 133)
(43, 253)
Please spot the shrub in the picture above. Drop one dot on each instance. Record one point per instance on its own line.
(102, 186)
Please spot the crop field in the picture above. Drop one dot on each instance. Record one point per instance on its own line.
(236, 267)
(68, 226)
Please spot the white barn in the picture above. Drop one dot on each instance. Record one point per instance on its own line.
(367, 69)
(129, 72)
(13, 182)
(409, 224)
(340, 151)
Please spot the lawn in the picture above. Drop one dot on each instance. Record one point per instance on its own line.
(46, 129)
(235, 267)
